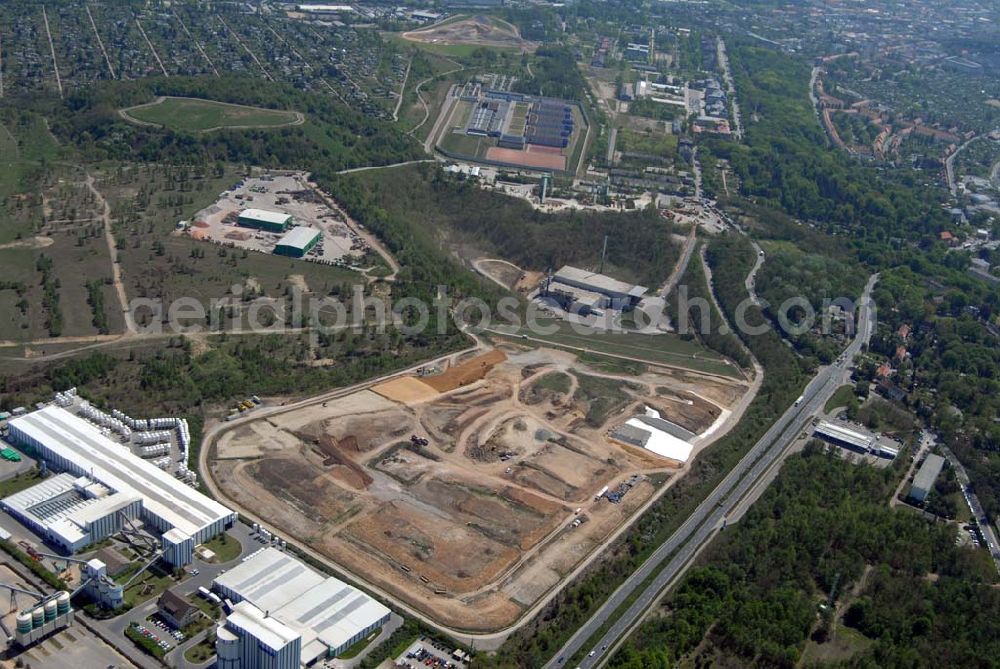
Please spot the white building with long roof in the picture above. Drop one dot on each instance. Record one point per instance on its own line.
(70, 444)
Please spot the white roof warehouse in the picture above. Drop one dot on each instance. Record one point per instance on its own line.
(69, 443)
(329, 614)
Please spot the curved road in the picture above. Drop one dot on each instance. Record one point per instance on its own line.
(711, 514)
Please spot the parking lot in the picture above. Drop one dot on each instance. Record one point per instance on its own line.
(286, 193)
(427, 653)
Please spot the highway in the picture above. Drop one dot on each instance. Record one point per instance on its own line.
(711, 514)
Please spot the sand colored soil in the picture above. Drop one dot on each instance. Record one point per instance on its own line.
(548, 161)
(467, 372)
(406, 389)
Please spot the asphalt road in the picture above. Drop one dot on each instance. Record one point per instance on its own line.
(710, 515)
(975, 507)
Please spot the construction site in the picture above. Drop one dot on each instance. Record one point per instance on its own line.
(471, 488)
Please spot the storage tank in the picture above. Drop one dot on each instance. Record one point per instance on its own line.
(23, 622)
(37, 617)
(50, 610)
(62, 603)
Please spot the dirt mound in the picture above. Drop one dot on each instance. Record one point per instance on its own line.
(468, 372)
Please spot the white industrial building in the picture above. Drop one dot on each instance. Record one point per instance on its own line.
(845, 436)
(587, 292)
(138, 488)
(924, 480)
(250, 639)
(72, 512)
(329, 615)
(656, 435)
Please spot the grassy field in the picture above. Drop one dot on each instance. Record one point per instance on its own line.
(840, 398)
(467, 145)
(193, 115)
(225, 547)
(666, 349)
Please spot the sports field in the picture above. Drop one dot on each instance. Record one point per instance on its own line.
(196, 115)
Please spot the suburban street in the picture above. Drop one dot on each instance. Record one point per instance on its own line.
(711, 514)
(989, 533)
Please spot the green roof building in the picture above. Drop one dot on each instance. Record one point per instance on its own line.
(271, 221)
(297, 242)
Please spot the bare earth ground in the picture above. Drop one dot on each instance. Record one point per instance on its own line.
(476, 30)
(474, 526)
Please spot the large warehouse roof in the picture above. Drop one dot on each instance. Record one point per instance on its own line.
(299, 237)
(326, 611)
(598, 282)
(75, 440)
(265, 215)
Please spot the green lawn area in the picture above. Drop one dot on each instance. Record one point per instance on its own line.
(225, 547)
(655, 143)
(462, 144)
(19, 483)
(667, 349)
(193, 115)
(202, 651)
(841, 398)
(152, 583)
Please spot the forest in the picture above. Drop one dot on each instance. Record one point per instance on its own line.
(450, 212)
(808, 560)
(334, 137)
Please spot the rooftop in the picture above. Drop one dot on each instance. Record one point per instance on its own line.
(325, 611)
(300, 236)
(112, 464)
(600, 282)
(265, 629)
(265, 215)
(928, 472)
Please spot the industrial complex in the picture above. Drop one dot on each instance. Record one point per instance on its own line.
(853, 439)
(583, 292)
(495, 125)
(105, 486)
(651, 432)
(283, 214)
(283, 607)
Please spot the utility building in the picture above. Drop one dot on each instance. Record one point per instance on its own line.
(271, 221)
(926, 476)
(298, 241)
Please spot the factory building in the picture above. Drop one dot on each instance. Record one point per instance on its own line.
(328, 615)
(297, 242)
(923, 482)
(844, 436)
(136, 488)
(72, 512)
(589, 292)
(251, 639)
(270, 221)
